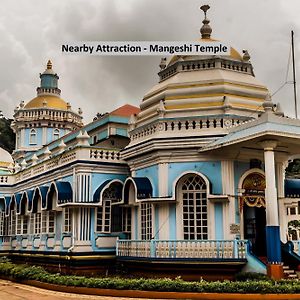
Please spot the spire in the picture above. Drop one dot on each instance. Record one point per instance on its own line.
(49, 65)
(205, 29)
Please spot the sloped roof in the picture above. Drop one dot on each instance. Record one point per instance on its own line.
(125, 111)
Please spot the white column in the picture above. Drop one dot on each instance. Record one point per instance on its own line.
(163, 169)
(227, 169)
(280, 176)
(271, 190)
(272, 228)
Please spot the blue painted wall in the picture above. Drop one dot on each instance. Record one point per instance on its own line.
(50, 131)
(39, 134)
(49, 81)
(239, 169)
(156, 222)
(102, 135)
(219, 230)
(152, 174)
(121, 131)
(211, 169)
(98, 179)
(172, 222)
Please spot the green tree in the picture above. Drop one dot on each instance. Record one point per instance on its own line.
(293, 169)
(7, 136)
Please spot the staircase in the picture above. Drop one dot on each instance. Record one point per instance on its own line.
(289, 273)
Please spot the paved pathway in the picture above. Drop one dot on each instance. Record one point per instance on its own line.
(14, 291)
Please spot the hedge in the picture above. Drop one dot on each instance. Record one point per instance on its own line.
(26, 272)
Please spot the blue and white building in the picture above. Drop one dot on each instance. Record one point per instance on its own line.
(192, 183)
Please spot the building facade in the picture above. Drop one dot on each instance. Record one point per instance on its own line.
(192, 182)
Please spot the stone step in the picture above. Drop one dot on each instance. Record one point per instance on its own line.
(286, 267)
(289, 271)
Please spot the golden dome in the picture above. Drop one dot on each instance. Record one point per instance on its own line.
(48, 102)
(234, 54)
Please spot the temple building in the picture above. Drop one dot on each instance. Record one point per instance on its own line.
(192, 183)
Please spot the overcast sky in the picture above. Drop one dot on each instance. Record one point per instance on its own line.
(33, 31)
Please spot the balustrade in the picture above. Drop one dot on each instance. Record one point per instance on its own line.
(191, 125)
(200, 249)
(67, 157)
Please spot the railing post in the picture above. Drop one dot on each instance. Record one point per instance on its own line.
(152, 248)
(117, 246)
(235, 249)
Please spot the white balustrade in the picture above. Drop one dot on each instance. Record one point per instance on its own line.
(82, 153)
(201, 249)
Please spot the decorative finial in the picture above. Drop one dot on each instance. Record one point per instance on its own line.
(205, 29)
(163, 63)
(49, 65)
(268, 104)
(246, 56)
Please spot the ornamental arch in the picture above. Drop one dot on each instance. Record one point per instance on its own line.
(252, 210)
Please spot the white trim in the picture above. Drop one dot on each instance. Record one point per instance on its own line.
(207, 182)
(135, 190)
(107, 186)
(163, 173)
(32, 137)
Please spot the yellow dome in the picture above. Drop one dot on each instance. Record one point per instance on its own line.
(48, 102)
(234, 54)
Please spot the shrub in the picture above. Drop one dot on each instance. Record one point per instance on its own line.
(242, 276)
(245, 282)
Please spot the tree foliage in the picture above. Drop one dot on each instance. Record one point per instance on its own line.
(7, 136)
(293, 169)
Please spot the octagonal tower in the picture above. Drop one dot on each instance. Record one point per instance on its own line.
(45, 118)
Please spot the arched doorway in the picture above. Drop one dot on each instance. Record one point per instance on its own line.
(253, 209)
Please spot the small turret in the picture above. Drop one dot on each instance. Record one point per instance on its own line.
(49, 81)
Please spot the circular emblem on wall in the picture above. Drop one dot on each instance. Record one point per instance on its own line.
(160, 126)
(227, 123)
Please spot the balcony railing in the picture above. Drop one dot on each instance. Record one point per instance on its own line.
(80, 153)
(179, 249)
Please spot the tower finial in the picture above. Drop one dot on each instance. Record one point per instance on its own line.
(205, 29)
(49, 65)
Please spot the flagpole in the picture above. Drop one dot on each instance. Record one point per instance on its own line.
(294, 75)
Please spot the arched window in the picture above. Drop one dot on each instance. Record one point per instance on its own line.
(56, 134)
(109, 215)
(193, 196)
(32, 137)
